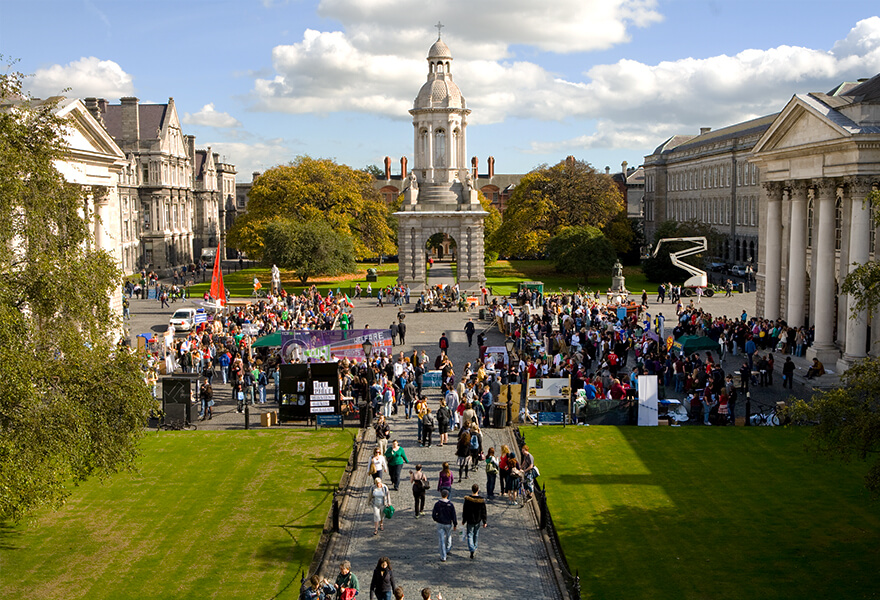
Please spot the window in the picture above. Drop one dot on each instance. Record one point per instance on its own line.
(838, 221)
(810, 223)
(145, 209)
(754, 174)
(126, 231)
(146, 174)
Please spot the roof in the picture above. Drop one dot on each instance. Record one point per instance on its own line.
(670, 144)
(151, 118)
(822, 104)
(439, 50)
(754, 126)
(868, 91)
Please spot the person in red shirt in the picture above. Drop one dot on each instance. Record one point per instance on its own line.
(618, 392)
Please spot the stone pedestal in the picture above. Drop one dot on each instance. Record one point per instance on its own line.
(618, 284)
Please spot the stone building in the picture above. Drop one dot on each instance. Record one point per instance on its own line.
(441, 193)
(213, 189)
(708, 178)
(162, 183)
(819, 158)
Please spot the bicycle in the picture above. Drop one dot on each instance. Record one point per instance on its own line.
(767, 416)
(176, 425)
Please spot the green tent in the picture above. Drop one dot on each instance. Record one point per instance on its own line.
(688, 344)
(269, 341)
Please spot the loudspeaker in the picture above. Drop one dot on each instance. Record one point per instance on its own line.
(176, 414)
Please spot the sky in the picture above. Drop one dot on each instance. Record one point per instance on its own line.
(263, 81)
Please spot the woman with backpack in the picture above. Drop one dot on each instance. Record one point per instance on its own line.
(444, 418)
(491, 472)
(476, 445)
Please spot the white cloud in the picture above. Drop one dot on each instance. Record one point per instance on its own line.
(257, 156)
(86, 77)
(209, 117)
(377, 63)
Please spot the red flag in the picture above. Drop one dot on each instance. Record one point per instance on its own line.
(218, 291)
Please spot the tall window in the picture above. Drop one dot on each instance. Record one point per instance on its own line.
(145, 209)
(838, 222)
(440, 148)
(810, 223)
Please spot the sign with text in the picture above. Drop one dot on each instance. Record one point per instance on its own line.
(333, 345)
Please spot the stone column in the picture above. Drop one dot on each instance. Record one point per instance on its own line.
(825, 286)
(773, 260)
(859, 250)
(797, 254)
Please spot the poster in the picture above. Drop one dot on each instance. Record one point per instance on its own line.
(647, 400)
(333, 345)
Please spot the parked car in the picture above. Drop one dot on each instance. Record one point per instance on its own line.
(739, 270)
(184, 319)
(718, 267)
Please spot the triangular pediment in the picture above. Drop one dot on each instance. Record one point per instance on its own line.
(799, 125)
(85, 134)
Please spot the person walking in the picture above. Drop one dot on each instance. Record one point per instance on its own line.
(420, 484)
(395, 456)
(445, 479)
(378, 464)
(491, 473)
(469, 330)
(382, 584)
(444, 418)
(463, 452)
(447, 522)
(380, 498)
(473, 513)
(427, 427)
(382, 433)
(401, 332)
(444, 343)
(787, 373)
(346, 584)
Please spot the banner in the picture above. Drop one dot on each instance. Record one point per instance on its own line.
(648, 400)
(333, 345)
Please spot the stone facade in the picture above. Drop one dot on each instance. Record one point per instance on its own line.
(708, 178)
(440, 194)
(819, 159)
(214, 187)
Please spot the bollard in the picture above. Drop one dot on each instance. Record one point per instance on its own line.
(335, 512)
(247, 416)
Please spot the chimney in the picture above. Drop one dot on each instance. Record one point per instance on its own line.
(189, 142)
(474, 164)
(387, 168)
(131, 122)
(254, 175)
(607, 170)
(705, 130)
(623, 167)
(569, 161)
(94, 109)
(491, 167)
(403, 172)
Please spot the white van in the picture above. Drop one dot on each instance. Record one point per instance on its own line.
(208, 255)
(184, 319)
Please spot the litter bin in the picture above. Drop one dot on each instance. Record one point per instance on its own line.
(742, 288)
(499, 415)
(482, 314)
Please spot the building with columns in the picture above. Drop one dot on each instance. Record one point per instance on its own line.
(707, 178)
(819, 159)
(440, 194)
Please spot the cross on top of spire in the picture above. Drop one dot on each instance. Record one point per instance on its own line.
(439, 27)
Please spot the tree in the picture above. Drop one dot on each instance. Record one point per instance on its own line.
(660, 269)
(375, 170)
(308, 248)
(309, 189)
(847, 419)
(73, 403)
(549, 198)
(624, 235)
(583, 250)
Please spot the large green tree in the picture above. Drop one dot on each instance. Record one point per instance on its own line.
(72, 404)
(547, 199)
(309, 189)
(583, 250)
(308, 248)
(847, 419)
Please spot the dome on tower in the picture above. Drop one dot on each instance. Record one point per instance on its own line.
(439, 50)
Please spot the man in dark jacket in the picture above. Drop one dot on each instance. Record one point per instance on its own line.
(469, 330)
(473, 513)
(401, 331)
(444, 515)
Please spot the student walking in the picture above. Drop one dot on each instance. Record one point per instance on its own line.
(473, 514)
(447, 522)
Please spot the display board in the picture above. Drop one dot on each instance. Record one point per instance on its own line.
(648, 400)
(308, 390)
(333, 345)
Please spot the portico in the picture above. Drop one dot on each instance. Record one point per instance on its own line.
(819, 160)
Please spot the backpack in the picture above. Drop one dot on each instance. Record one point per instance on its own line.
(428, 421)
(475, 442)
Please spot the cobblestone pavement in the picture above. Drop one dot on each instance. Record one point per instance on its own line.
(511, 561)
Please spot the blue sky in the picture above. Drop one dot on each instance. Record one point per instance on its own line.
(262, 81)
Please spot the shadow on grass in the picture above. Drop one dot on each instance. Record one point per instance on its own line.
(329, 459)
(9, 536)
(288, 548)
(605, 479)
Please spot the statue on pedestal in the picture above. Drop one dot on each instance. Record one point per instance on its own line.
(618, 281)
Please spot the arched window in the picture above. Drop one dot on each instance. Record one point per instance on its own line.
(737, 251)
(440, 148)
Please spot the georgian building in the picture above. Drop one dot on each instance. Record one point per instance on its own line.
(162, 185)
(213, 188)
(708, 178)
(819, 159)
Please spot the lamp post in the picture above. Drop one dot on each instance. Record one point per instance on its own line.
(368, 348)
(509, 343)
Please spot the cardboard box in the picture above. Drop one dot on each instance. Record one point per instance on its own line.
(265, 419)
(662, 422)
(740, 421)
(273, 417)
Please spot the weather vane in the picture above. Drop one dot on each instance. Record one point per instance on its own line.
(439, 26)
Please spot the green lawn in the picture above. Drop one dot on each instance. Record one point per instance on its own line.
(241, 283)
(503, 277)
(209, 515)
(698, 513)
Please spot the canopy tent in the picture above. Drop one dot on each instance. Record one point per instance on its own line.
(268, 341)
(688, 344)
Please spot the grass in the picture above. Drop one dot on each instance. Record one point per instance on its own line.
(241, 283)
(209, 515)
(694, 513)
(503, 277)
